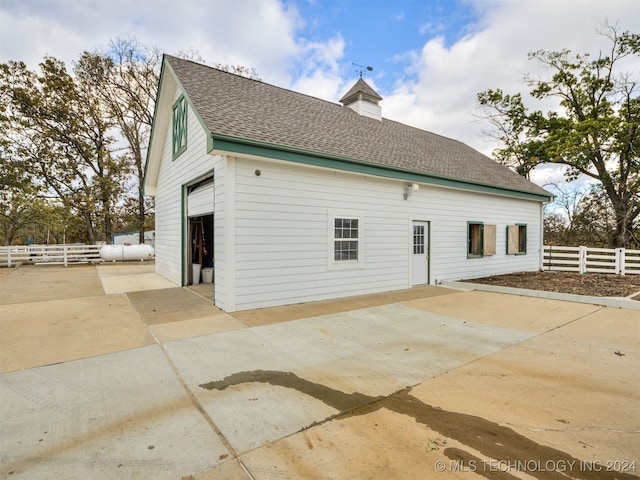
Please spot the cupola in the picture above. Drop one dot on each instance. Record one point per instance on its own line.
(363, 99)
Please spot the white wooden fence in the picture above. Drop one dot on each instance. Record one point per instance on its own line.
(50, 254)
(617, 261)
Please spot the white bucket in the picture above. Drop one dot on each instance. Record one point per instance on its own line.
(207, 275)
(196, 273)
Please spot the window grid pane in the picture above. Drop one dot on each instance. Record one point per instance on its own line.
(345, 228)
(418, 239)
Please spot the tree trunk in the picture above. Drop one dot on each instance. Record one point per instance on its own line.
(90, 230)
(623, 234)
(106, 205)
(8, 235)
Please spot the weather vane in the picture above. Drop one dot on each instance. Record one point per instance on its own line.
(362, 68)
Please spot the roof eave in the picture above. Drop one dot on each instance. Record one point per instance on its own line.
(222, 143)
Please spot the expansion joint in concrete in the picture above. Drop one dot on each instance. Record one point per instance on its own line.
(197, 404)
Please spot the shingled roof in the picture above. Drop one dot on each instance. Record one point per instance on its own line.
(249, 110)
(361, 87)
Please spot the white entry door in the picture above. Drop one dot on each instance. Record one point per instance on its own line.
(420, 253)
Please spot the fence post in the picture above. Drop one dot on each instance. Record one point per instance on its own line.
(550, 256)
(64, 254)
(582, 259)
(620, 261)
(9, 256)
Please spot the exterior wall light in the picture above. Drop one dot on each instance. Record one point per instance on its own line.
(409, 188)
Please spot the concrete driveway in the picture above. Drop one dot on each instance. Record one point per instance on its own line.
(112, 372)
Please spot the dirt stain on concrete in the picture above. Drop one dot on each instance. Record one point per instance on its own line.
(341, 401)
(489, 438)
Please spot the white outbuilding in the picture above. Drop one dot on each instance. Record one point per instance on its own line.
(294, 199)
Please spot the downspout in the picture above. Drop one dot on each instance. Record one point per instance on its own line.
(541, 243)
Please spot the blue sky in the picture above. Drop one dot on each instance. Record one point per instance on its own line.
(381, 33)
(430, 58)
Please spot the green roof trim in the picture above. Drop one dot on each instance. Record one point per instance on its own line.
(226, 143)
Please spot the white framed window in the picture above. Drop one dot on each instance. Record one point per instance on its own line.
(345, 239)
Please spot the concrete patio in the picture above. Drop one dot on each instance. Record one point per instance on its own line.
(111, 372)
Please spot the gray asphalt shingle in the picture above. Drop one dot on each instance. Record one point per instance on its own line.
(239, 107)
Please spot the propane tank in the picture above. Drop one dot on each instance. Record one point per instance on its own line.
(124, 253)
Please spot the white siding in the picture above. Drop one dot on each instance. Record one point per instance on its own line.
(282, 233)
(173, 174)
(273, 238)
(449, 233)
(367, 109)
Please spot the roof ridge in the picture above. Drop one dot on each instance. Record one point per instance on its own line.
(289, 90)
(336, 104)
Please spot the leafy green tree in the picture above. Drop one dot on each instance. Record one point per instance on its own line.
(18, 193)
(19, 219)
(18, 190)
(77, 142)
(125, 77)
(596, 132)
(60, 135)
(26, 212)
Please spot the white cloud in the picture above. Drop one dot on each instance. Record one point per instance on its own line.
(255, 34)
(263, 34)
(319, 69)
(438, 92)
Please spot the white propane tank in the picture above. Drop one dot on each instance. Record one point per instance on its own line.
(123, 253)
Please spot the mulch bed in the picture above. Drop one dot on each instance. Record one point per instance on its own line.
(592, 284)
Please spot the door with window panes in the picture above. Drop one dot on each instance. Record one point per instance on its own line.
(420, 253)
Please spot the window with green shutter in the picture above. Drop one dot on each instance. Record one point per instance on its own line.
(475, 239)
(179, 126)
(481, 240)
(517, 239)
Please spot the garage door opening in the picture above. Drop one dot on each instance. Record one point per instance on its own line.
(201, 249)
